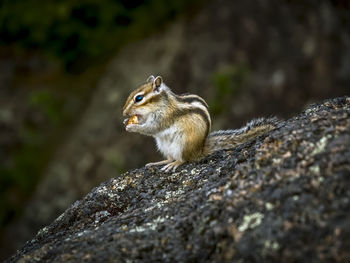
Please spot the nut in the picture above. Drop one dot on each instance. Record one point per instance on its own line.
(133, 120)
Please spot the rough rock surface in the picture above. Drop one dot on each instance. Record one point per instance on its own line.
(282, 195)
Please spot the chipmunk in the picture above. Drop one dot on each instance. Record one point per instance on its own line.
(181, 124)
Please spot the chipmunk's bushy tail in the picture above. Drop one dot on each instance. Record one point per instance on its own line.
(225, 139)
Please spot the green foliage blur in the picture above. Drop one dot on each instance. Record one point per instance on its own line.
(228, 81)
(76, 35)
(76, 32)
(37, 138)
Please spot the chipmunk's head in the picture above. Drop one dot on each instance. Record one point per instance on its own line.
(143, 103)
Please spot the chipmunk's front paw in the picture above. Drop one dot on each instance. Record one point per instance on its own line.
(131, 127)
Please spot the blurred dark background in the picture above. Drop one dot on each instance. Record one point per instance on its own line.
(66, 68)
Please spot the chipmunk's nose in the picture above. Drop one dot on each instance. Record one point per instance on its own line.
(125, 109)
(126, 112)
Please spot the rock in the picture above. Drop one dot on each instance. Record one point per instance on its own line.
(288, 197)
(246, 58)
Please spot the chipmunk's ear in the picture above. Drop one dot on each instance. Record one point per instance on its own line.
(158, 82)
(150, 79)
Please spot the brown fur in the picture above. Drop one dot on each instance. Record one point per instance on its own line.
(196, 136)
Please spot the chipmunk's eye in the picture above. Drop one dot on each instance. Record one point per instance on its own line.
(138, 98)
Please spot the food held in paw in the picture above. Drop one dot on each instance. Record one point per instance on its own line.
(133, 120)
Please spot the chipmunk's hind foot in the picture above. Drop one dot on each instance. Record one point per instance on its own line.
(171, 167)
(159, 163)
